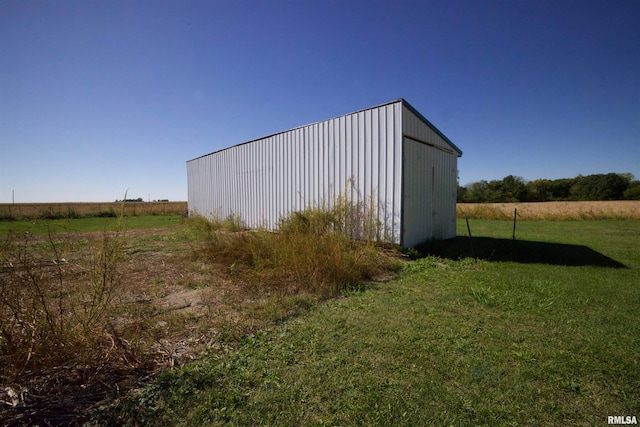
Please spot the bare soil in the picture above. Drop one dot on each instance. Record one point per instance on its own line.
(173, 301)
(172, 305)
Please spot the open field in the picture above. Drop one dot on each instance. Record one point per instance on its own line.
(74, 210)
(542, 331)
(38, 227)
(527, 211)
(552, 211)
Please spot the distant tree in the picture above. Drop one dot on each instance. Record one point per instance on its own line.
(560, 189)
(462, 194)
(508, 189)
(633, 191)
(478, 192)
(609, 186)
(536, 191)
(512, 188)
(628, 176)
(494, 191)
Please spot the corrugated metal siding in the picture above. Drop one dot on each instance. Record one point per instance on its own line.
(387, 153)
(417, 221)
(414, 127)
(358, 154)
(429, 183)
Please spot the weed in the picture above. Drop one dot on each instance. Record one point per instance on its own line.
(106, 214)
(314, 250)
(57, 300)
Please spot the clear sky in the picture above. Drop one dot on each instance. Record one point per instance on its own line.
(101, 97)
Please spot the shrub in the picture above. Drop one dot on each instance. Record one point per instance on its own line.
(356, 220)
(54, 312)
(633, 192)
(205, 226)
(313, 251)
(106, 214)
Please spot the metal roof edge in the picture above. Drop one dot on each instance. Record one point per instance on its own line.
(431, 125)
(298, 127)
(401, 100)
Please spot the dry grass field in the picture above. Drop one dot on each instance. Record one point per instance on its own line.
(74, 210)
(552, 211)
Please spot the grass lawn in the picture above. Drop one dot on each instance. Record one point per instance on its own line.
(41, 226)
(542, 331)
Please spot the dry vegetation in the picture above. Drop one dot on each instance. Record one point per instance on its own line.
(86, 316)
(75, 210)
(552, 211)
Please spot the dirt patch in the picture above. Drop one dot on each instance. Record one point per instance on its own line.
(188, 300)
(172, 302)
(163, 299)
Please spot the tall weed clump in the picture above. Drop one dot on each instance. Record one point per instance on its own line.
(321, 250)
(57, 298)
(330, 248)
(356, 220)
(198, 227)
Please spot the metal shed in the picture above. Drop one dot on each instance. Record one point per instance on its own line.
(390, 154)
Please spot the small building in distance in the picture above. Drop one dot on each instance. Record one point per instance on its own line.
(389, 156)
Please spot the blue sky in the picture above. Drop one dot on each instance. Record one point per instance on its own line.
(101, 97)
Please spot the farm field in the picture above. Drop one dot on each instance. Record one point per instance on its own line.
(550, 340)
(541, 331)
(626, 209)
(552, 211)
(84, 225)
(76, 210)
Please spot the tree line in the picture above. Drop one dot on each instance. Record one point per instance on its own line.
(610, 186)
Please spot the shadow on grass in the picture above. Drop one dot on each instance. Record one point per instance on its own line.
(522, 251)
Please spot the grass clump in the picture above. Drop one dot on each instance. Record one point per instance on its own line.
(313, 251)
(324, 263)
(199, 227)
(356, 220)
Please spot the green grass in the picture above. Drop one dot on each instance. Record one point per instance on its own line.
(503, 341)
(41, 226)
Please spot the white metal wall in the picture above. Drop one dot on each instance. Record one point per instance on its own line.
(387, 153)
(265, 179)
(429, 183)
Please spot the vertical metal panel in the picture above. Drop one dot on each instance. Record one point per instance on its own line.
(429, 183)
(417, 193)
(359, 155)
